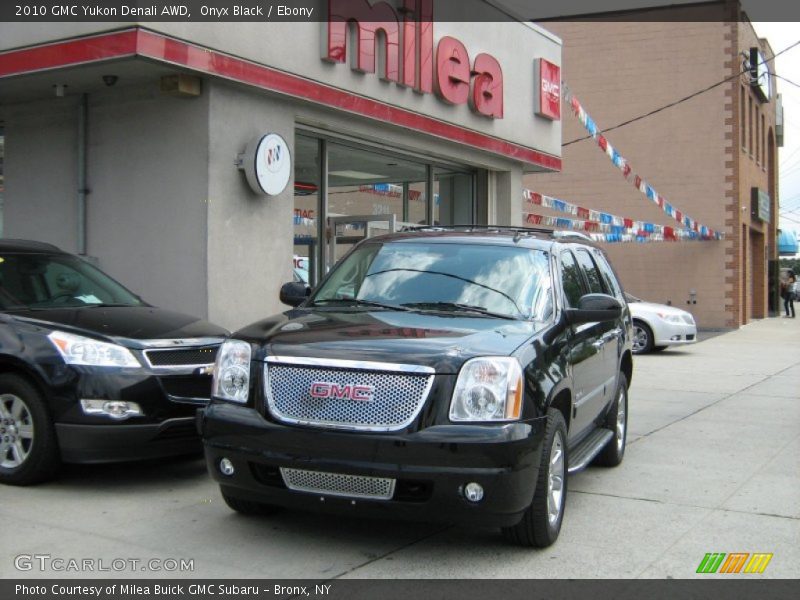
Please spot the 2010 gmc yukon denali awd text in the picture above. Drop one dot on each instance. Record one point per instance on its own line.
(441, 374)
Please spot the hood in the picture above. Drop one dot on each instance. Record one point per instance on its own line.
(433, 340)
(123, 323)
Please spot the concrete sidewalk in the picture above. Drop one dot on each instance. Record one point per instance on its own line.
(713, 465)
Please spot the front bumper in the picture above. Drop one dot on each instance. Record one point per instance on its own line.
(124, 442)
(431, 466)
(672, 334)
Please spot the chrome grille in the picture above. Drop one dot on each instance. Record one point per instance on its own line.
(397, 393)
(337, 484)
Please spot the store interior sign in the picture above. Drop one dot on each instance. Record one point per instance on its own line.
(267, 164)
(410, 58)
(760, 77)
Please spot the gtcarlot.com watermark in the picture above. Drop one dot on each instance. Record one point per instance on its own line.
(48, 563)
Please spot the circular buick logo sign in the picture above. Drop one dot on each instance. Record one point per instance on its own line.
(273, 164)
(267, 164)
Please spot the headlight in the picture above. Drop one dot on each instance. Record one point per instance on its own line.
(672, 317)
(79, 350)
(232, 372)
(488, 389)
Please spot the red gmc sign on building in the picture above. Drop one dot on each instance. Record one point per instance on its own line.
(548, 93)
(410, 57)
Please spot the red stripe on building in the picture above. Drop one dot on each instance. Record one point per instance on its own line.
(68, 54)
(162, 48)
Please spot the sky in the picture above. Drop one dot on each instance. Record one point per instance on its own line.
(781, 35)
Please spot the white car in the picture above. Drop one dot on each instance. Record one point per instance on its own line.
(656, 326)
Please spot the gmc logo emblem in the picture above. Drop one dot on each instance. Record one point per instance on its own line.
(359, 393)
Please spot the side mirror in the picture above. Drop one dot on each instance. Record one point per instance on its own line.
(294, 293)
(593, 308)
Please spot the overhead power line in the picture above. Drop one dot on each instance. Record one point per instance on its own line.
(680, 101)
(786, 80)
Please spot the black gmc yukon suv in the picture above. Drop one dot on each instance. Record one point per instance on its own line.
(89, 372)
(453, 375)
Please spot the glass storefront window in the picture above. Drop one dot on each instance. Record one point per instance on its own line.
(365, 183)
(2, 177)
(306, 201)
(454, 197)
(372, 187)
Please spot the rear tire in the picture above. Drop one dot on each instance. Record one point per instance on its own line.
(541, 522)
(248, 507)
(642, 337)
(28, 445)
(616, 421)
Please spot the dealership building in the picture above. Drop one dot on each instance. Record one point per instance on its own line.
(193, 161)
(712, 156)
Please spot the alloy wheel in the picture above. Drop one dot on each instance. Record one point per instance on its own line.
(16, 431)
(555, 479)
(640, 338)
(622, 401)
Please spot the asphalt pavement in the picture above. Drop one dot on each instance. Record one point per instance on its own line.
(712, 465)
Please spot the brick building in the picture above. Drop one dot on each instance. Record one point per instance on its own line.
(705, 155)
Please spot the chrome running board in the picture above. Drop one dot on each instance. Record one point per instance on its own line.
(581, 455)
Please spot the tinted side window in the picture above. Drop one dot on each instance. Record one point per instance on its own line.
(591, 272)
(571, 279)
(608, 275)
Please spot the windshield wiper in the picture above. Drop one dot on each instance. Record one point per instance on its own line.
(457, 306)
(358, 302)
(443, 274)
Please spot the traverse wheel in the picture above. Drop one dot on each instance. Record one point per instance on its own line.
(28, 445)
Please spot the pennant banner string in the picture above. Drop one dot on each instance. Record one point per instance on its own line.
(590, 220)
(703, 232)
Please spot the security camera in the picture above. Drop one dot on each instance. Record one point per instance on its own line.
(110, 80)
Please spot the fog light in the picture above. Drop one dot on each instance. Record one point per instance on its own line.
(473, 492)
(226, 467)
(116, 409)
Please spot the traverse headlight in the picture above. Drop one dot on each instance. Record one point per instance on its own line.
(231, 379)
(79, 350)
(488, 389)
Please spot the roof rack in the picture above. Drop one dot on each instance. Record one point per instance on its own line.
(489, 228)
(575, 234)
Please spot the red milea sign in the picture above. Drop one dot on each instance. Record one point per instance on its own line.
(409, 56)
(548, 89)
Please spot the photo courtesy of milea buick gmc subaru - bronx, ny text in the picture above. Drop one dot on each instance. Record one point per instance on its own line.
(89, 372)
(447, 374)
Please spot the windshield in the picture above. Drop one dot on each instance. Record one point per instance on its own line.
(499, 281)
(40, 281)
(630, 298)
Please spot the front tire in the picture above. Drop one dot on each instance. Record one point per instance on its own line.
(541, 522)
(643, 341)
(28, 445)
(616, 421)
